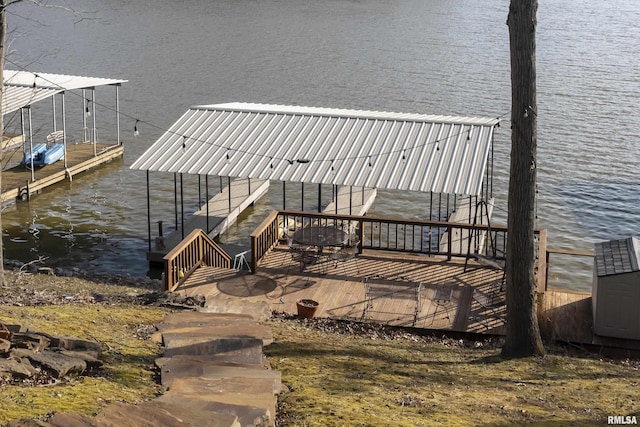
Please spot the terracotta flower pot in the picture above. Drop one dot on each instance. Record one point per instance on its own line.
(307, 308)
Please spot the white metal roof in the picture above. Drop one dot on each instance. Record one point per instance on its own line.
(23, 88)
(415, 152)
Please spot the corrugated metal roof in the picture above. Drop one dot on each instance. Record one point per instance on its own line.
(24, 88)
(399, 151)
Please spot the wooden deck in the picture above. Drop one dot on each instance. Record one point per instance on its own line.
(223, 209)
(352, 201)
(449, 298)
(17, 183)
(568, 317)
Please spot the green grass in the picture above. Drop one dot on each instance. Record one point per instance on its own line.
(342, 380)
(128, 372)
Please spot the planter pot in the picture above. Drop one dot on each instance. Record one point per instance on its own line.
(307, 308)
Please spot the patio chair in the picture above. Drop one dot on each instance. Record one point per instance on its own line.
(301, 253)
(346, 252)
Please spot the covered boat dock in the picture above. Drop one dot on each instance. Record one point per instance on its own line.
(350, 150)
(76, 132)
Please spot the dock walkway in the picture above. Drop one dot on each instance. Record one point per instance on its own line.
(216, 216)
(351, 201)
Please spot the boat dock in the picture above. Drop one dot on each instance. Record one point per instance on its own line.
(468, 210)
(21, 183)
(351, 201)
(216, 216)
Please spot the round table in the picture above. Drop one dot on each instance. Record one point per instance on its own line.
(320, 236)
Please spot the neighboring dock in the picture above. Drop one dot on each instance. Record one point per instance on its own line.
(20, 183)
(351, 201)
(216, 216)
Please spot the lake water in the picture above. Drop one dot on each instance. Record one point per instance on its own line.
(417, 56)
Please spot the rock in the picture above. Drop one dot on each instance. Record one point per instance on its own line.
(31, 341)
(45, 270)
(58, 364)
(64, 419)
(16, 368)
(75, 344)
(26, 423)
(5, 333)
(90, 358)
(5, 345)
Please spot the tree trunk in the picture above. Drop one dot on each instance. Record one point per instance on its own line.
(3, 36)
(523, 334)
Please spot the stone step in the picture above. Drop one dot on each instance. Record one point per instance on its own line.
(239, 330)
(259, 311)
(250, 399)
(196, 318)
(237, 350)
(186, 367)
(196, 413)
(120, 414)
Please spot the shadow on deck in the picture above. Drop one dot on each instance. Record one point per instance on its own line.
(399, 290)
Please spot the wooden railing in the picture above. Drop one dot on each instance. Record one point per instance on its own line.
(568, 252)
(264, 238)
(391, 234)
(193, 251)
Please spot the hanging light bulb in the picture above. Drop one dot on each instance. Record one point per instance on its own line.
(135, 128)
(87, 111)
(184, 142)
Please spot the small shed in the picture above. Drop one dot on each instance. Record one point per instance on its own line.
(616, 288)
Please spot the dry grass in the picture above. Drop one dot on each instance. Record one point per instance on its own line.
(346, 380)
(335, 378)
(122, 329)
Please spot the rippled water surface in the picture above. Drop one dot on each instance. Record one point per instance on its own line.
(435, 56)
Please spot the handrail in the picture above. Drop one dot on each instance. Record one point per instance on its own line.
(387, 234)
(264, 238)
(193, 251)
(571, 252)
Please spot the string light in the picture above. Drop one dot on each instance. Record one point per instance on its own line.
(291, 162)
